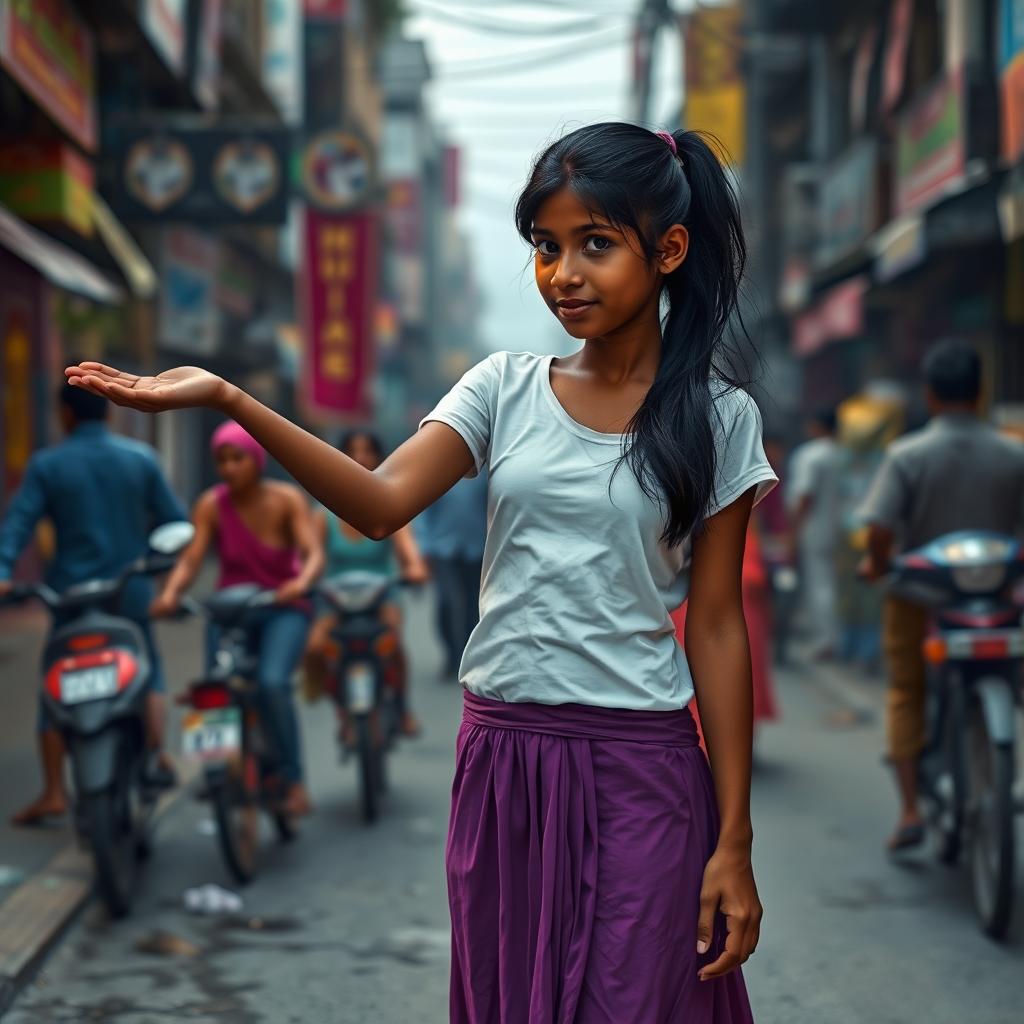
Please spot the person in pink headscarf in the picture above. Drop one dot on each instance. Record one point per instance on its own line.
(263, 534)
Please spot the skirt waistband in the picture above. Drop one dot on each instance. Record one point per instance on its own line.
(583, 721)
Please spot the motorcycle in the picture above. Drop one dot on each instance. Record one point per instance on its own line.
(224, 730)
(95, 675)
(974, 651)
(363, 650)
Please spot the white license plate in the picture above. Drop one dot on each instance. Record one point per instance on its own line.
(212, 735)
(84, 684)
(359, 688)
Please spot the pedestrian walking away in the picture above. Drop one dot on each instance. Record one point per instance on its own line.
(264, 535)
(599, 866)
(813, 491)
(452, 532)
(957, 473)
(104, 494)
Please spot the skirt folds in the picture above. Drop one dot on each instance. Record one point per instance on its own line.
(576, 849)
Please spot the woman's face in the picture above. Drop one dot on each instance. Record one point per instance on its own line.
(237, 468)
(593, 277)
(361, 449)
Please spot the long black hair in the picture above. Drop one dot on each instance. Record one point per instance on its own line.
(633, 178)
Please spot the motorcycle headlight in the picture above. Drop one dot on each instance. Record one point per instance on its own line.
(978, 579)
(977, 551)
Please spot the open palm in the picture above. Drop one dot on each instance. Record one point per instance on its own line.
(180, 388)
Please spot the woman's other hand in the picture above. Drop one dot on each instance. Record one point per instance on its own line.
(180, 388)
(729, 887)
(164, 605)
(417, 572)
(291, 590)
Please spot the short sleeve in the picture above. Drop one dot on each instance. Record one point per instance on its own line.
(741, 461)
(888, 496)
(469, 409)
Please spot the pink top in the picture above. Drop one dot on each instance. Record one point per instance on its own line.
(244, 558)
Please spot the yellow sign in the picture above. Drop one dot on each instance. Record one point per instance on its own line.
(715, 98)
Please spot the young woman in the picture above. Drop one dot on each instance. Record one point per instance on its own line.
(597, 870)
(347, 550)
(263, 534)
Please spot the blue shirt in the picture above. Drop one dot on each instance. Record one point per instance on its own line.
(104, 495)
(455, 526)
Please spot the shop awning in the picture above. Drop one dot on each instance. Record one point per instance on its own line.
(837, 315)
(137, 270)
(57, 263)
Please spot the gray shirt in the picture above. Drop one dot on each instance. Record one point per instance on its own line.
(577, 584)
(957, 473)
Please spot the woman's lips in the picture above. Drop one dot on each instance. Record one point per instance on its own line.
(573, 309)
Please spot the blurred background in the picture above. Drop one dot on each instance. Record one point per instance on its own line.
(314, 200)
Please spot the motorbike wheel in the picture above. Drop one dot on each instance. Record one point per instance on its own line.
(236, 808)
(992, 846)
(113, 847)
(953, 800)
(369, 760)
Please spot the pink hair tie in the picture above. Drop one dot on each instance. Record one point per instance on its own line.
(666, 137)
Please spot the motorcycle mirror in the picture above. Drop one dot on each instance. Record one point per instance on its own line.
(170, 538)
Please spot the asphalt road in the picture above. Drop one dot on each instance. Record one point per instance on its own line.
(349, 924)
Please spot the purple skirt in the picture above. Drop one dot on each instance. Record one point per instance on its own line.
(576, 851)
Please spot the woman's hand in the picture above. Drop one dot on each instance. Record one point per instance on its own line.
(291, 590)
(729, 887)
(164, 605)
(180, 388)
(417, 572)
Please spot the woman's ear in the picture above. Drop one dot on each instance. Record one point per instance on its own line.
(672, 248)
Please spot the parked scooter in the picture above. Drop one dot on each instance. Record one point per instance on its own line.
(96, 671)
(225, 731)
(363, 658)
(975, 653)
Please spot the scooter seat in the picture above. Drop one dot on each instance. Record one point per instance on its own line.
(229, 606)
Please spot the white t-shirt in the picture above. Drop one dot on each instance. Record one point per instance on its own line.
(577, 587)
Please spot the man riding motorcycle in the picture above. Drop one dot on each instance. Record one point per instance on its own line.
(104, 494)
(956, 473)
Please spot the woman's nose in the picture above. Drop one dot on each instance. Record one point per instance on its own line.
(566, 274)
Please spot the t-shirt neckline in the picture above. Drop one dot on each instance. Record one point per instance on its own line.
(561, 414)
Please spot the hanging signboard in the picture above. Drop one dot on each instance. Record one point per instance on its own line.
(849, 206)
(894, 68)
(47, 181)
(931, 151)
(714, 83)
(337, 299)
(163, 22)
(1011, 71)
(210, 175)
(189, 314)
(336, 170)
(50, 52)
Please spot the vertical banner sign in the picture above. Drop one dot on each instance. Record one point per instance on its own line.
(714, 85)
(1011, 73)
(15, 321)
(50, 52)
(894, 69)
(338, 299)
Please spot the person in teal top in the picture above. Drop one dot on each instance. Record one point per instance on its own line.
(347, 550)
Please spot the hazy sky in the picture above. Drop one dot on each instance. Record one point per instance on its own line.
(501, 119)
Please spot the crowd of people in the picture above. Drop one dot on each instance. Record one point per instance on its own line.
(104, 494)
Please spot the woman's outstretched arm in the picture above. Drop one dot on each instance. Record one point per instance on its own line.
(376, 503)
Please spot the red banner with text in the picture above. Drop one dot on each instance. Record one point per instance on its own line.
(338, 293)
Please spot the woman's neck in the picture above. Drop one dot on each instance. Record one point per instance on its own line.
(632, 352)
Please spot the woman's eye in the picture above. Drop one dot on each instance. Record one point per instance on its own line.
(597, 243)
(546, 247)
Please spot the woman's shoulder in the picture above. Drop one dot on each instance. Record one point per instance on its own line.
(733, 406)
